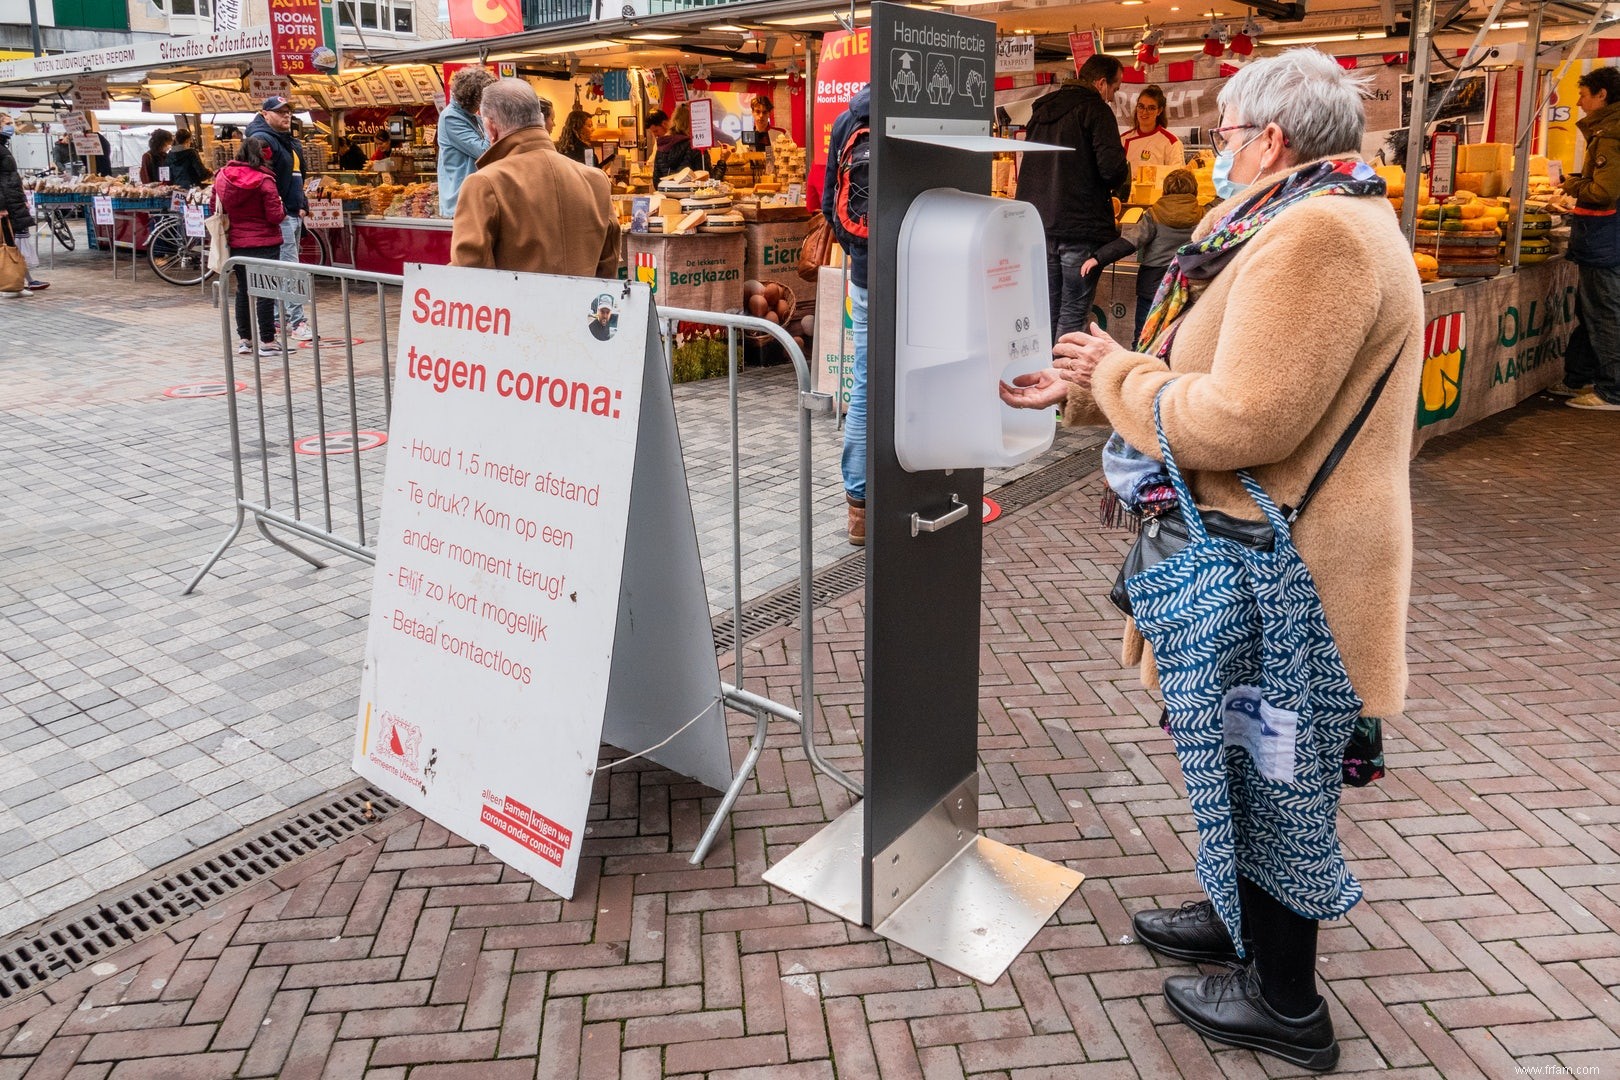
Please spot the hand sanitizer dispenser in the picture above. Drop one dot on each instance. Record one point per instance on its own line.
(972, 311)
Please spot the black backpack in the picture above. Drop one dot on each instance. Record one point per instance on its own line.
(851, 198)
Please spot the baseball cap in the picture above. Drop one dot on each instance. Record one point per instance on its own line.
(275, 103)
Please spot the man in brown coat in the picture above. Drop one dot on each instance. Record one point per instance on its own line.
(528, 208)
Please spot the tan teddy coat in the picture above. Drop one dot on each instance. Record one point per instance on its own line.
(1271, 364)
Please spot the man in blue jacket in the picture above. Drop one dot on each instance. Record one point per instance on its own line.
(1074, 190)
(461, 138)
(847, 177)
(274, 126)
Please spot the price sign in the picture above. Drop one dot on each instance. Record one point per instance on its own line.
(324, 214)
(795, 194)
(1083, 45)
(262, 84)
(1442, 163)
(177, 202)
(90, 92)
(75, 122)
(295, 35)
(194, 222)
(87, 144)
(101, 207)
(28, 197)
(163, 174)
(702, 123)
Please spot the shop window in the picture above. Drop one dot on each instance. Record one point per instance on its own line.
(392, 16)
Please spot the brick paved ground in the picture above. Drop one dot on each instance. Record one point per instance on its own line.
(1489, 942)
(137, 725)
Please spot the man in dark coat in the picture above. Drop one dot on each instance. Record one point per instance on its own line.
(1073, 190)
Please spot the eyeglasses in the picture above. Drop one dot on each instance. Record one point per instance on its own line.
(1218, 140)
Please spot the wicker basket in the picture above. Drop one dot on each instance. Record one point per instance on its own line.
(759, 337)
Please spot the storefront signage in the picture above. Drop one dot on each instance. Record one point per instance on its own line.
(295, 28)
(1016, 53)
(90, 92)
(1493, 343)
(702, 123)
(526, 411)
(137, 54)
(844, 68)
(485, 18)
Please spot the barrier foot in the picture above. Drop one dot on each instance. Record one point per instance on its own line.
(230, 537)
(712, 833)
(750, 701)
(283, 545)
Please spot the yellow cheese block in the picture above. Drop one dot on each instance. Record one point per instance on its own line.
(1485, 157)
(1394, 179)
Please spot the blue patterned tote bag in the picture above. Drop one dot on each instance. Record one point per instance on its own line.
(1260, 710)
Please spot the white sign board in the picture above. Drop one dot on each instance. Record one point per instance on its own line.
(137, 55)
(1016, 53)
(88, 145)
(75, 122)
(702, 123)
(513, 587)
(101, 207)
(194, 222)
(324, 214)
(90, 92)
(263, 83)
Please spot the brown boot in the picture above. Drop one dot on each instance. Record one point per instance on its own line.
(857, 520)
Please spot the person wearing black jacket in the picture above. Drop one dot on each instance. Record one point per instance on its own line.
(675, 150)
(840, 155)
(274, 126)
(185, 164)
(14, 205)
(1073, 190)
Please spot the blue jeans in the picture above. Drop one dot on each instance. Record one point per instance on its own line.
(1593, 354)
(1070, 293)
(854, 461)
(289, 253)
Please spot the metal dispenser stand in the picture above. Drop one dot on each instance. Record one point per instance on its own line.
(908, 861)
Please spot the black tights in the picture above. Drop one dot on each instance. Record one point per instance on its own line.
(1283, 945)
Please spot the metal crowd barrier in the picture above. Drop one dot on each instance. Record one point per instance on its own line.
(274, 489)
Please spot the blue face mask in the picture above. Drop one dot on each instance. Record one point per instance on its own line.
(9, 130)
(1221, 175)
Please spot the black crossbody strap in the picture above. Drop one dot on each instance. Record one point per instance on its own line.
(1342, 447)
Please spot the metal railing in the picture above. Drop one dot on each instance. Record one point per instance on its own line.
(275, 490)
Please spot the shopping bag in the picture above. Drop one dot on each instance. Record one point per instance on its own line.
(13, 270)
(218, 228)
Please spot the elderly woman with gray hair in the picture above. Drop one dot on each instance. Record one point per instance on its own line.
(1289, 326)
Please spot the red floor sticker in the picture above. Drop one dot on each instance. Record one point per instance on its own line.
(339, 442)
(992, 510)
(202, 390)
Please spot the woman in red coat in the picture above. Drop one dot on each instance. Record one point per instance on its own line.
(245, 192)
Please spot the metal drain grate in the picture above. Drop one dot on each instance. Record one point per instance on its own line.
(65, 943)
(780, 606)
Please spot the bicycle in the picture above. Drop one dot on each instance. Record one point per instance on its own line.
(54, 218)
(182, 260)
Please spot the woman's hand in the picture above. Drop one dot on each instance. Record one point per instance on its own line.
(1037, 390)
(1076, 355)
(1087, 267)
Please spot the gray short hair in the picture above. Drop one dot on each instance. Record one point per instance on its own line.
(512, 103)
(1305, 92)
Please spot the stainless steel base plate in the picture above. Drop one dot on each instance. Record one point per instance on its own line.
(975, 916)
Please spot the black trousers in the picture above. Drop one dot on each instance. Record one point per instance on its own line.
(266, 306)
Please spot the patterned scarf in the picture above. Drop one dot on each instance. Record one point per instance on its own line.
(1203, 259)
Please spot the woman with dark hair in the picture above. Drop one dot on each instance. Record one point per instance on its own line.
(245, 192)
(1148, 143)
(156, 156)
(185, 165)
(574, 138)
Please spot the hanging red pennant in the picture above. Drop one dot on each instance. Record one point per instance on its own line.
(1132, 75)
(1608, 47)
(1229, 70)
(1181, 71)
(1347, 62)
(1395, 59)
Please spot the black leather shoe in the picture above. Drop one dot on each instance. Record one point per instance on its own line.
(1191, 932)
(1229, 1009)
